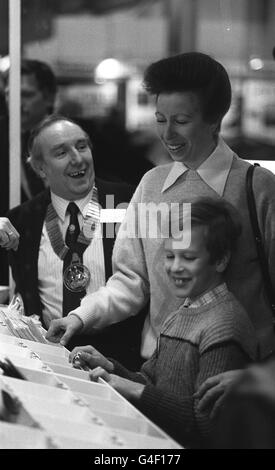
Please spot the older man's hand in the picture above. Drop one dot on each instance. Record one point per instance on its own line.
(9, 237)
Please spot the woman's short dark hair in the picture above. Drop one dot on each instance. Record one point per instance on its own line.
(195, 72)
(222, 221)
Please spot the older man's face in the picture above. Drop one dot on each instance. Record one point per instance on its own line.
(67, 160)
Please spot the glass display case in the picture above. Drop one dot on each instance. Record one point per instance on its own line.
(57, 406)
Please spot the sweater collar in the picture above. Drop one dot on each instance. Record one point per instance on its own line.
(214, 170)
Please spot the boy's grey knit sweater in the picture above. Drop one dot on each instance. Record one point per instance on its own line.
(196, 343)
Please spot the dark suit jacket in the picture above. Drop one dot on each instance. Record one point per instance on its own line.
(35, 184)
(4, 160)
(4, 192)
(28, 219)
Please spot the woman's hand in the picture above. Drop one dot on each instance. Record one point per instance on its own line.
(212, 393)
(87, 357)
(132, 391)
(62, 330)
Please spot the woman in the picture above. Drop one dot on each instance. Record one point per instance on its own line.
(193, 94)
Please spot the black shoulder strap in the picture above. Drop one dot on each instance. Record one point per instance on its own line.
(258, 237)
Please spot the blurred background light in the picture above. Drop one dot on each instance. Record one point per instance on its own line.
(256, 63)
(4, 63)
(112, 69)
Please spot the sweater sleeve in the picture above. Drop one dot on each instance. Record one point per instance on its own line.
(127, 291)
(146, 374)
(122, 371)
(179, 415)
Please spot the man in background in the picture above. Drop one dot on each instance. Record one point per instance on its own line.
(38, 93)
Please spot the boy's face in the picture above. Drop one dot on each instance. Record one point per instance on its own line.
(189, 270)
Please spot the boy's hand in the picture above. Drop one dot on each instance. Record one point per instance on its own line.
(87, 357)
(132, 391)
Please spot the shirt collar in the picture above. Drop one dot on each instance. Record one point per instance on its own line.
(206, 298)
(214, 170)
(60, 205)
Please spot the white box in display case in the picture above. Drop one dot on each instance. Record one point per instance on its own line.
(68, 410)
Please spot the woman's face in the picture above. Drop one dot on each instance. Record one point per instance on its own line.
(182, 129)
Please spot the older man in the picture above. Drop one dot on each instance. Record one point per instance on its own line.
(62, 256)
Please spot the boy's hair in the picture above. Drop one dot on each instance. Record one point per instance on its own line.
(223, 225)
(192, 72)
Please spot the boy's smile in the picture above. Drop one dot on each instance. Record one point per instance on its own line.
(190, 272)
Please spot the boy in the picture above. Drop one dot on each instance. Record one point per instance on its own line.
(208, 334)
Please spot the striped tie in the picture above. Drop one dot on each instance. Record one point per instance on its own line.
(71, 300)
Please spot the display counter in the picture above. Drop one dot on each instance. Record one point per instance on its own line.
(57, 406)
